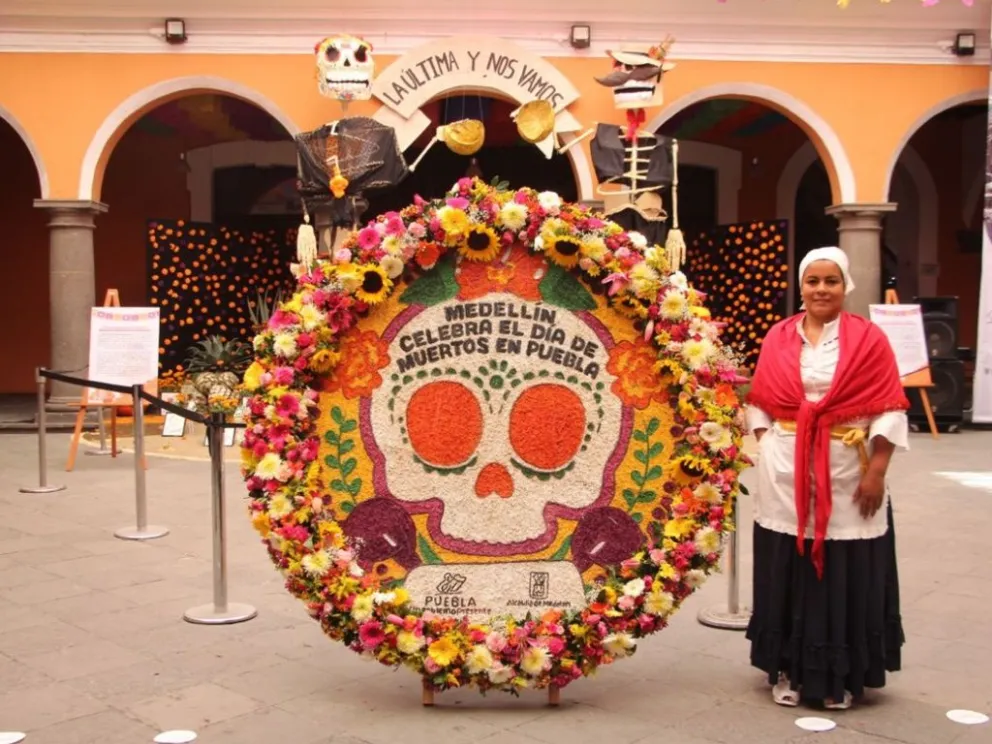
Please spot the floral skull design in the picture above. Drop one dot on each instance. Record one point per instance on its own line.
(509, 443)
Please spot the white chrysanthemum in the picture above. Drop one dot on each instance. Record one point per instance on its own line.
(392, 245)
(550, 201)
(716, 436)
(361, 609)
(659, 602)
(697, 352)
(707, 540)
(535, 660)
(644, 280)
(280, 506)
(708, 493)
(634, 588)
(269, 467)
(637, 240)
(383, 597)
(674, 305)
(679, 281)
(284, 345)
(317, 564)
(408, 642)
(479, 659)
(499, 673)
(513, 216)
(392, 265)
(619, 644)
(694, 578)
(259, 341)
(310, 317)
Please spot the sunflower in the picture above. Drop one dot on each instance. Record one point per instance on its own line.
(375, 285)
(324, 360)
(630, 307)
(563, 250)
(481, 244)
(691, 469)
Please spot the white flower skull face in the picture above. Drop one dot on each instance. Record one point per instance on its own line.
(345, 68)
(637, 75)
(505, 442)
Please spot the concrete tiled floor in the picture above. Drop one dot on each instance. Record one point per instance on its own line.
(93, 647)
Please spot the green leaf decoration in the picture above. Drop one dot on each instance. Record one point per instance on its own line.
(562, 289)
(436, 286)
(426, 554)
(562, 552)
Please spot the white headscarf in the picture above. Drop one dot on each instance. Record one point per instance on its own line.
(834, 254)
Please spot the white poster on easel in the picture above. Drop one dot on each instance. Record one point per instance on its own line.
(123, 351)
(903, 324)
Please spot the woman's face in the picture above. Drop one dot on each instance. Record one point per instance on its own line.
(823, 290)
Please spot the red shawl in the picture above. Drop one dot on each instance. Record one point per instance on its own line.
(865, 384)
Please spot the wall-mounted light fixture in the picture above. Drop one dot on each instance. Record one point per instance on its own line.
(175, 30)
(581, 36)
(964, 44)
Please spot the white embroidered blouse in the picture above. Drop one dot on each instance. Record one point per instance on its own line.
(774, 500)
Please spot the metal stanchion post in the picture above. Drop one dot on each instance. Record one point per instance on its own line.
(103, 435)
(42, 486)
(220, 612)
(142, 531)
(730, 616)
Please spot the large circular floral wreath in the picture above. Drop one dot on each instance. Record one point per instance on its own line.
(680, 363)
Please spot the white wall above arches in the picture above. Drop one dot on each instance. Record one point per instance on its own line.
(799, 111)
(39, 164)
(147, 97)
(974, 96)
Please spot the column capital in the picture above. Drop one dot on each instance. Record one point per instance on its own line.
(71, 212)
(861, 209)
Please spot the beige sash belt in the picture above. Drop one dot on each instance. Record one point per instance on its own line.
(850, 436)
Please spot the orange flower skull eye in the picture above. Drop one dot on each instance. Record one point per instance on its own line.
(444, 423)
(547, 424)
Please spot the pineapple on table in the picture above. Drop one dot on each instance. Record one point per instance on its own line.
(216, 365)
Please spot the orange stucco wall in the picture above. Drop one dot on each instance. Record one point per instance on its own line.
(869, 107)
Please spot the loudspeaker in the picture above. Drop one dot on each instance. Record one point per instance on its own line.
(947, 396)
(940, 325)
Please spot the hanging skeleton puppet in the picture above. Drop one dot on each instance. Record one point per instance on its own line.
(640, 162)
(345, 159)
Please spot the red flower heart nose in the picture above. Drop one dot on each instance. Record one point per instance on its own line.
(494, 478)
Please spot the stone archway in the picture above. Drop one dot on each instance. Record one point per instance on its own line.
(469, 64)
(117, 122)
(825, 140)
(39, 164)
(974, 96)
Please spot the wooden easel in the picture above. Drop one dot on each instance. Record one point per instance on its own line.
(554, 695)
(111, 299)
(920, 380)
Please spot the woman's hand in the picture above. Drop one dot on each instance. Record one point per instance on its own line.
(870, 493)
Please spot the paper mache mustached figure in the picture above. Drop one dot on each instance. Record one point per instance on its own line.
(641, 163)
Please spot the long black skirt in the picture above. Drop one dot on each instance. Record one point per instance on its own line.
(843, 632)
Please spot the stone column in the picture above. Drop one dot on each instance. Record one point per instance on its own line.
(860, 231)
(72, 287)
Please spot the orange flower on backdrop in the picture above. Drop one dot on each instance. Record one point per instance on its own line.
(633, 364)
(519, 273)
(357, 374)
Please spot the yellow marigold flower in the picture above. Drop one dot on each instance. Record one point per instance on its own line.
(260, 521)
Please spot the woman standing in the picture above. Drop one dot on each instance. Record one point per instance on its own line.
(828, 410)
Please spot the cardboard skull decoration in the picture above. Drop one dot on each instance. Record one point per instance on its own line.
(637, 75)
(345, 68)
